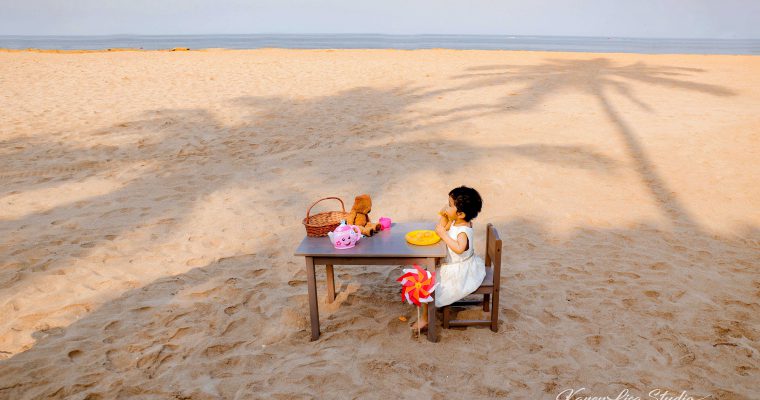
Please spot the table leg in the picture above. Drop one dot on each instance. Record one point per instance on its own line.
(431, 264)
(330, 278)
(311, 282)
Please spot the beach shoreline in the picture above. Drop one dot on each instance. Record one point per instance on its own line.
(212, 49)
(576, 44)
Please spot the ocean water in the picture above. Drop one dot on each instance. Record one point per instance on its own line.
(376, 41)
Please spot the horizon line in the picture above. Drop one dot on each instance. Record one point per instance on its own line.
(375, 34)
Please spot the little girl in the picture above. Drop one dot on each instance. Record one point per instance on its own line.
(462, 271)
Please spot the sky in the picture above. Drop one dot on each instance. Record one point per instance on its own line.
(726, 19)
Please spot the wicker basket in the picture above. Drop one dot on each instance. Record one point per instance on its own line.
(319, 224)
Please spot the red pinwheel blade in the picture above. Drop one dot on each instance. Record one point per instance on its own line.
(416, 285)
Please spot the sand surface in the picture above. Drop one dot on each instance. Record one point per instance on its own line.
(150, 203)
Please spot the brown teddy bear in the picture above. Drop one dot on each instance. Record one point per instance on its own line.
(359, 215)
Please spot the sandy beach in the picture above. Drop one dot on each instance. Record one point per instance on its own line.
(150, 204)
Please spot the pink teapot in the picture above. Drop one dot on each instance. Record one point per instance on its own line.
(345, 236)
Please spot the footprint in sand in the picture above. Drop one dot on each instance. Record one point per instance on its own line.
(652, 294)
(594, 341)
(220, 349)
(74, 354)
(617, 358)
(118, 360)
(111, 326)
(234, 325)
(746, 370)
(727, 330)
(629, 302)
(578, 318)
(256, 273)
(195, 262)
(675, 351)
(660, 266)
(548, 318)
(119, 211)
(296, 319)
(179, 333)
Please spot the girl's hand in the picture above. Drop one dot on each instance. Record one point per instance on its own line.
(440, 230)
(443, 219)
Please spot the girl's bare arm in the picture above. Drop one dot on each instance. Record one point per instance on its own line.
(457, 246)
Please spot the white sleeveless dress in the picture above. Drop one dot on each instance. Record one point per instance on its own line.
(460, 274)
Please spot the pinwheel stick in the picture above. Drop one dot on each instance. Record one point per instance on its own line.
(419, 331)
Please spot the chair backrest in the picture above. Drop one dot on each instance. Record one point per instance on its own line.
(493, 253)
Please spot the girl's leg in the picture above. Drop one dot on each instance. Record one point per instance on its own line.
(422, 321)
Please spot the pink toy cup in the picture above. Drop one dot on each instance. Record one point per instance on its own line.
(385, 223)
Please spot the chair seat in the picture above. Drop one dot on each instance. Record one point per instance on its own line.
(487, 285)
(488, 280)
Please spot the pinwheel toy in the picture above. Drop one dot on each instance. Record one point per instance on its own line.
(417, 286)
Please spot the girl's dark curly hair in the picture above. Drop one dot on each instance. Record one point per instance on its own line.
(468, 201)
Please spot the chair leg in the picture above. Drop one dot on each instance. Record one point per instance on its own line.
(446, 316)
(486, 300)
(495, 312)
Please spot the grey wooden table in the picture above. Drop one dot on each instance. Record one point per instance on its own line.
(388, 247)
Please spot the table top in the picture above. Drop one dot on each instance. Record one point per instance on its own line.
(388, 243)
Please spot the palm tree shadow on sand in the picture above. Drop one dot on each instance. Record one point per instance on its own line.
(598, 77)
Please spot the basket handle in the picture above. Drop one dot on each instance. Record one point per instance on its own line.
(342, 207)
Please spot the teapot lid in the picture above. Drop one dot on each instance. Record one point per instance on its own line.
(343, 227)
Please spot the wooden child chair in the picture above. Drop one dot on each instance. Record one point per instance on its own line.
(489, 288)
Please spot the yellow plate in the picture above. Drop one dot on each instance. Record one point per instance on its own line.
(422, 237)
